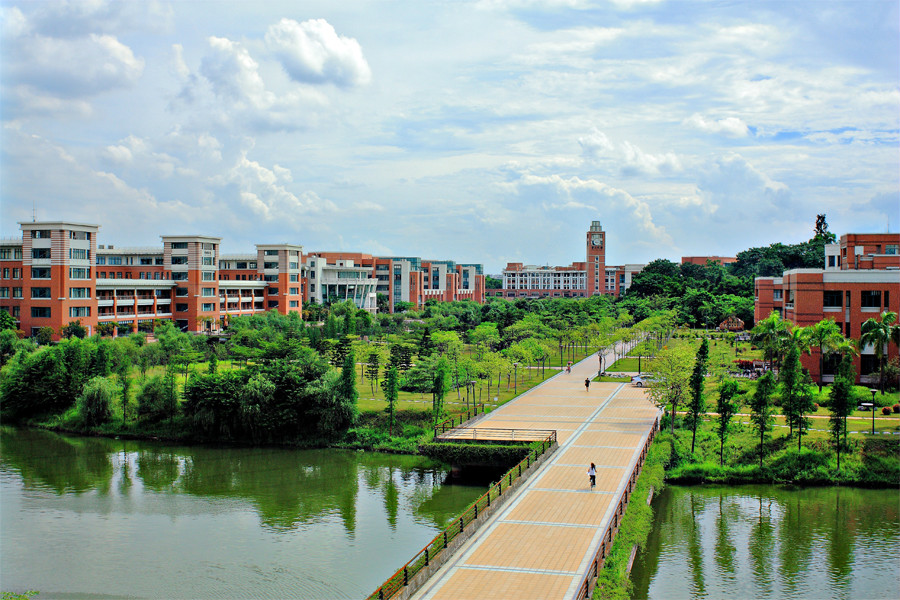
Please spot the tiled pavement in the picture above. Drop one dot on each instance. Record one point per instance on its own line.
(540, 544)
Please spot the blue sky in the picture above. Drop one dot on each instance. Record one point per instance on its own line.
(489, 131)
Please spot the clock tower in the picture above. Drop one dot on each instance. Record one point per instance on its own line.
(596, 259)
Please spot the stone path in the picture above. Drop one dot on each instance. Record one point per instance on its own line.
(542, 542)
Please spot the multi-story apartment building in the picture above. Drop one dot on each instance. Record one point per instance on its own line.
(57, 273)
(861, 279)
(399, 278)
(592, 277)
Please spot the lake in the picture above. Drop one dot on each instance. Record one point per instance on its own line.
(101, 518)
(759, 541)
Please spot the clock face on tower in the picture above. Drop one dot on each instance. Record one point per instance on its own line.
(596, 239)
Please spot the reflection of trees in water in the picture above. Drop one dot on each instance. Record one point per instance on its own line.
(695, 551)
(796, 532)
(62, 464)
(288, 488)
(762, 545)
(724, 549)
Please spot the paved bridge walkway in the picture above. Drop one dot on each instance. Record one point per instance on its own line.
(543, 542)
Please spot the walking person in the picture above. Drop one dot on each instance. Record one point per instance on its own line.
(587, 384)
(592, 474)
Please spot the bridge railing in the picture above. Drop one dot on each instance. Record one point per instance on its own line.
(442, 541)
(613, 528)
(496, 434)
(457, 420)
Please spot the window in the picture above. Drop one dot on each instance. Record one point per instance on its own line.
(4, 292)
(777, 294)
(832, 299)
(179, 276)
(79, 273)
(79, 311)
(79, 235)
(208, 261)
(181, 291)
(37, 234)
(831, 260)
(294, 304)
(40, 272)
(271, 253)
(270, 277)
(892, 249)
(101, 260)
(207, 307)
(40, 312)
(868, 364)
(181, 308)
(887, 296)
(5, 253)
(17, 292)
(40, 253)
(273, 303)
(294, 278)
(207, 292)
(179, 245)
(179, 260)
(6, 273)
(273, 291)
(294, 291)
(17, 273)
(293, 266)
(114, 260)
(241, 265)
(209, 276)
(208, 246)
(146, 260)
(79, 254)
(870, 299)
(270, 265)
(80, 292)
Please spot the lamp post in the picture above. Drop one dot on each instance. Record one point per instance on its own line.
(873, 409)
(516, 379)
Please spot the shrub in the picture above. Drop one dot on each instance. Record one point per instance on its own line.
(886, 410)
(816, 406)
(897, 408)
(93, 403)
(157, 399)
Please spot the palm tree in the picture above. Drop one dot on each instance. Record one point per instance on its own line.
(880, 334)
(826, 336)
(769, 334)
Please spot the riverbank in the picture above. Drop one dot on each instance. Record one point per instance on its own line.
(869, 462)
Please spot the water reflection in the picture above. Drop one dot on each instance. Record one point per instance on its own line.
(767, 542)
(345, 518)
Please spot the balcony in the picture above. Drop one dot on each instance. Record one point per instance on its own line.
(104, 302)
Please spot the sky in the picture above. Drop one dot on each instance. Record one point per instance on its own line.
(488, 131)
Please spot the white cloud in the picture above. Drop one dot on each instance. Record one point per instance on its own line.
(627, 158)
(234, 73)
(313, 52)
(729, 126)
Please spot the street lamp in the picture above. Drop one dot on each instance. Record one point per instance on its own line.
(516, 379)
(873, 409)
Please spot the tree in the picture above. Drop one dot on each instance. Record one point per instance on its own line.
(805, 404)
(697, 405)
(7, 321)
(841, 402)
(761, 409)
(826, 336)
(348, 379)
(73, 329)
(670, 385)
(372, 369)
(157, 398)
(769, 333)
(879, 334)
(790, 378)
(425, 345)
(94, 402)
(441, 383)
(726, 408)
(390, 386)
(44, 335)
(485, 337)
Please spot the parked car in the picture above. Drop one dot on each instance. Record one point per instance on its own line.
(641, 380)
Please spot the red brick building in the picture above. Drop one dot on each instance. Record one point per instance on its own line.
(592, 277)
(58, 273)
(861, 279)
(702, 260)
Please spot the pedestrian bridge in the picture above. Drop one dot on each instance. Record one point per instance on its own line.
(550, 536)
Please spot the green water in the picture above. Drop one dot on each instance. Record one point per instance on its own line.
(99, 518)
(771, 542)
